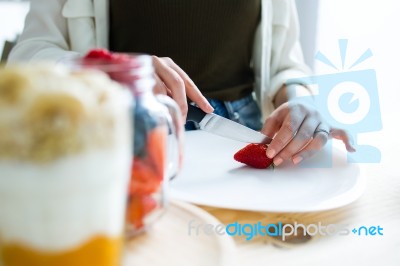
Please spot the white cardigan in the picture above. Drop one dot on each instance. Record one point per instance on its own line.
(57, 29)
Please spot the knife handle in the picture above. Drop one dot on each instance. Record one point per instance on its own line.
(195, 114)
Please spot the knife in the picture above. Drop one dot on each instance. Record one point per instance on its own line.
(224, 127)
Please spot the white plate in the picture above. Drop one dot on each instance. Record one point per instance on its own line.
(212, 177)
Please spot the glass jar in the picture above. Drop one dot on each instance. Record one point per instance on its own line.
(158, 132)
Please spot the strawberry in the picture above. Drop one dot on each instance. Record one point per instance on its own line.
(99, 54)
(122, 74)
(254, 155)
(144, 178)
(138, 208)
(104, 54)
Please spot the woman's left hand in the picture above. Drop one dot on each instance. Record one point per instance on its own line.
(298, 132)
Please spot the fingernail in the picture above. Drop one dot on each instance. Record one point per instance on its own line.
(278, 161)
(209, 108)
(270, 153)
(297, 159)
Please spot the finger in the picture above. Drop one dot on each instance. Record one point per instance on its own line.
(303, 136)
(344, 136)
(274, 122)
(172, 81)
(271, 126)
(159, 87)
(286, 132)
(317, 143)
(192, 92)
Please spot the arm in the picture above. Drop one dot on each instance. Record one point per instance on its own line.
(45, 36)
(287, 61)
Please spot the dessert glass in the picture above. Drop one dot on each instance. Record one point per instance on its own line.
(65, 161)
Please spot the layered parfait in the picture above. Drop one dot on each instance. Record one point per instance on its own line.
(65, 161)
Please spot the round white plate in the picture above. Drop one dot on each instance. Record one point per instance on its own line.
(211, 177)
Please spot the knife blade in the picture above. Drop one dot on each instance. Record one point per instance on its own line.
(224, 127)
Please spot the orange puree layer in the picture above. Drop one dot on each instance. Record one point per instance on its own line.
(99, 251)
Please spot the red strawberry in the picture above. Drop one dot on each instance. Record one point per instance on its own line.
(138, 208)
(254, 155)
(104, 54)
(122, 74)
(99, 54)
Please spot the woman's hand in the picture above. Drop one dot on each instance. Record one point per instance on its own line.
(299, 131)
(171, 80)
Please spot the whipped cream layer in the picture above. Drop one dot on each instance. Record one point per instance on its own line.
(62, 205)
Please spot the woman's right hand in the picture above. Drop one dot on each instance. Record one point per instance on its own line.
(171, 80)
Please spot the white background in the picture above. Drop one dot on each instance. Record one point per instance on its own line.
(12, 16)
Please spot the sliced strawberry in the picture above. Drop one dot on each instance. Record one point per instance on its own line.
(138, 207)
(144, 178)
(126, 63)
(254, 155)
(104, 54)
(99, 54)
